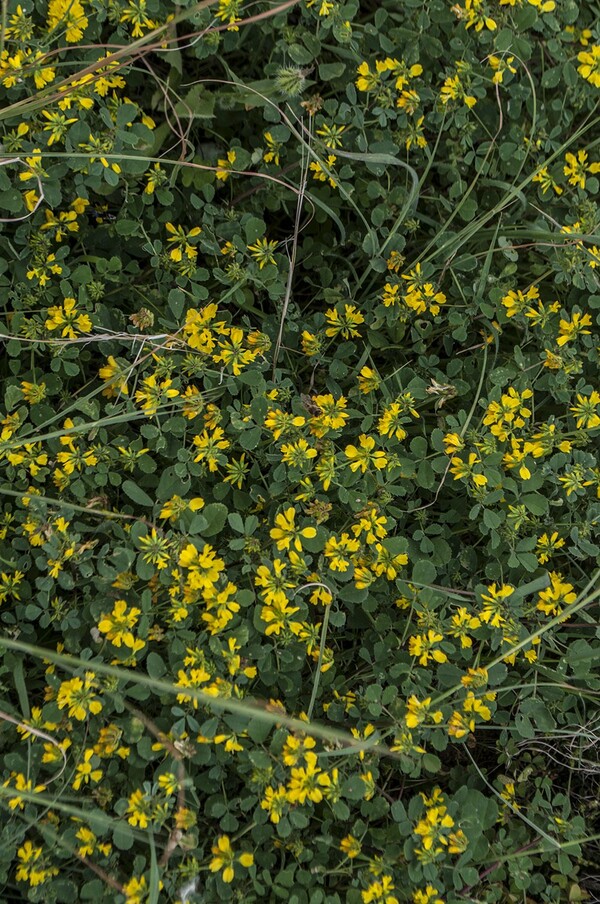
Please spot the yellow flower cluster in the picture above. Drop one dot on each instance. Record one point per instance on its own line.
(436, 829)
(419, 295)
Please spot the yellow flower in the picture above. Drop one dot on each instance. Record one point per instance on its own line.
(278, 616)
(298, 454)
(474, 15)
(271, 155)
(391, 294)
(516, 301)
(366, 80)
(180, 241)
(233, 354)
(453, 443)
(509, 795)
(66, 318)
(307, 783)
(68, 17)
(156, 550)
(464, 469)
(363, 456)
(500, 65)
(350, 846)
(175, 507)
(57, 125)
(590, 65)
(546, 181)
(154, 178)
(554, 598)
(274, 802)
(331, 414)
(154, 395)
(423, 646)
(21, 783)
(115, 376)
(211, 445)
(119, 623)
(285, 533)
(462, 622)
(331, 135)
(577, 167)
(453, 89)
(139, 810)
(224, 858)
(79, 696)
(90, 843)
(225, 166)
(280, 423)
(228, 12)
(33, 393)
(387, 563)
(135, 13)
(273, 582)
(311, 343)
(586, 411)
(494, 611)
(336, 551)
(378, 891)
(419, 711)
(427, 895)
(85, 771)
(368, 380)
(431, 827)
(570, 329)
(33, 866)
(262, 252)
(320, 173)
(390, 422)
(371, 524)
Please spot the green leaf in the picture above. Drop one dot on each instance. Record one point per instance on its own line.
(249, 439)
(424, 572)
(155, 665)
(12, 397)
(531, 587)
(329, 71)
(254, 229)
(469, 876)
(251, 378)
(398, 811)
(524, 726)
(215, 514)
(236, 522)
(354, 788)
(176, 302)
(491, 519)
(198, 103)
(122, 836)
(537, 505)
(136, 494)
(259, 730)
(431, 762)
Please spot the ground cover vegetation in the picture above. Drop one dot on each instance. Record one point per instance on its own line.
(300, 490)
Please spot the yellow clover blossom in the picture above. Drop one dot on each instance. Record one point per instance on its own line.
(68, 320)
(224, 858)
(286, 533)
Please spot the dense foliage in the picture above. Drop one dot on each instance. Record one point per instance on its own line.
(298, 459)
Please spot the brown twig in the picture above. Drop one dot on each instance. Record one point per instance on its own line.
(100, 873)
